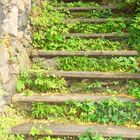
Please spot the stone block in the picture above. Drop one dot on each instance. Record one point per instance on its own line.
(10, 23)
(4, 73)
(20, 5)
(23, 21)
(4, 56)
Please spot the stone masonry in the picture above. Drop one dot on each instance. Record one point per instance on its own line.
(15, 40)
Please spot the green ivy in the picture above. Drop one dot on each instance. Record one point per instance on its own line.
(130, 64)
(109, 111)
(39, 82)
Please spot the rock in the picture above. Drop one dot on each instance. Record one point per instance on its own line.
(10, 85)
(23, 59)
(4, 73)
(4, 2)
(14, 69)
(23, 21)
(2, 16)
(27, 4)
(20, 35)
(10, 23)
(49, 63)
(4, 56)
(20, 5)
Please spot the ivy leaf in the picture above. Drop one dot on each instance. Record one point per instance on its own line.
(20, 86)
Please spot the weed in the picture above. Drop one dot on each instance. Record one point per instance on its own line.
(124, 64)
(108, 111)
(39, 82)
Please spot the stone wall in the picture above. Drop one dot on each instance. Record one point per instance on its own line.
(15, 39)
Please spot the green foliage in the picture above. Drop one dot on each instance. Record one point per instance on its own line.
(86, 44)
(50, 29)
(130, 64)
(48, 32)
(135, 32)
(34, 131)
(40, 82)
(108, 27)
(108, 111)
(8, 119)
(50, 138)
(134, 88)
(97, 13)
(129, 87)
(42, 110)
(81, 4)
(90, 136)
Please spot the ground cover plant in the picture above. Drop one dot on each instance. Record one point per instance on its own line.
(108, 27)
(108, 111)
(48, 33)
(119, 64)
(39, 82)
(97, 13)
(89, 136)
(80, 4)
(52, 37)
(135, 30)
(77, 44)
(50, 29)
(129, 87)
(8, 119)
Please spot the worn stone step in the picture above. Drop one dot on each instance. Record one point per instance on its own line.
(96, 20)
(60, 129)
(98, 35)
(62, 98)
(88, 8)
(50, 54)
(91, 75)
(82, 0)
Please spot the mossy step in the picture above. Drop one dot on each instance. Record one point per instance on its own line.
(96, 20)
(82, 0)
(94, 75)
(87, 8)
(114, 35)
(62, 98)
(50, 54)
(60, 129)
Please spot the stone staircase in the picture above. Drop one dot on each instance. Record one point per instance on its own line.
(63, 129)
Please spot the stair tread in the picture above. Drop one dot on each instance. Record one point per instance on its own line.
(61, 98)
(93, 75)
(60, 129)
(43, 53)
(95, 20)
(87, 8)
(97, 35)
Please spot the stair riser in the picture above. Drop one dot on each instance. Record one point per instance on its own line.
(91, 64)
(114, 37)
(75, 130)
(51, 54)
(94, 20)
(29, 137)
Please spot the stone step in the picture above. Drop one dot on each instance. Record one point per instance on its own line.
(92, 75)
(82, 0)
(60, 129)
(62, 98)
(98, 35)
(88, 8)
(50, 54)
(96, 20)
